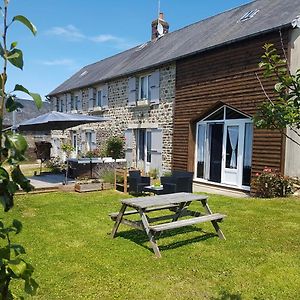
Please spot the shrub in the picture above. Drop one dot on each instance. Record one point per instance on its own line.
(114, 147)
(271, 183)
(55, 164)
(154, 173)
(109, 177)
(93, 153)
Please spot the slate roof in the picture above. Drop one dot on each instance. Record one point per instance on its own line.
(27, 112)
(213, 32)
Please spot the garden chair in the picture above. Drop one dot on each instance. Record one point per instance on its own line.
(137, 182)
(179, 181)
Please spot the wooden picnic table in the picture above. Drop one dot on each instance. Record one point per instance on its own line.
(177, 206)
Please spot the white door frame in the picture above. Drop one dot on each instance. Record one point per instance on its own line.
(225, 172)
(233, 176)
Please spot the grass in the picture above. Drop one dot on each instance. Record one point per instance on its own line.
(66, 236)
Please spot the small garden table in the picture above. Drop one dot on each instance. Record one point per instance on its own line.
(177, 204)
(157, 190)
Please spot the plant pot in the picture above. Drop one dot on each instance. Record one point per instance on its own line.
(88, 187)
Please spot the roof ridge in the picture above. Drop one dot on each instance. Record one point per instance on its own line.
(211, 17)
(179, 29)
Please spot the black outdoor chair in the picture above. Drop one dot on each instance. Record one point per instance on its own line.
(179, 181)
(137, 182)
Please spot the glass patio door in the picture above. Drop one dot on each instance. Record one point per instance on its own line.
(224, 148)
(144, 155)
(232, 159)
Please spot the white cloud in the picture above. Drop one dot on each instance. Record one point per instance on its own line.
(103, 38)
(59, 62)
(73, 34)
(69, 32)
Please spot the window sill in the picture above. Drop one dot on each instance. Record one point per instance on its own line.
(143, 102)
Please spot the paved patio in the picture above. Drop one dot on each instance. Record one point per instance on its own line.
(48, 181)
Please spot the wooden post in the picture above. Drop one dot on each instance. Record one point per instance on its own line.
(125, 180)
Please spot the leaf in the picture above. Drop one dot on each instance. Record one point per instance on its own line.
(15, 57)
(12, 105)
(278, 87)
(4, 176)
(12, 187)
(13, 45)
(17, 266)
(17, 141)
(6, 200)
(31, 286)
(18, 225)
(26, 22)
(18, 249)
(36, 97)
(21, 180)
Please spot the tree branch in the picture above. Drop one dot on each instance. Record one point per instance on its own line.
(263, 89)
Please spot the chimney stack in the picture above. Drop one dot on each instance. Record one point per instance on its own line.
(154, 24)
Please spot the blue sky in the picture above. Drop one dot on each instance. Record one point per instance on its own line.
(73, 33)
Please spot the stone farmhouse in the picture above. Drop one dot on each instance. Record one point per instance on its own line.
(185, 100)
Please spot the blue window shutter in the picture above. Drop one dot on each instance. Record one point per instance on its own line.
(105, 96)
(79, 103)
(129, 147)
(156, 149)
(154, 87)
(132, 91)
(64, 103)
(54, 104)
(91, 98)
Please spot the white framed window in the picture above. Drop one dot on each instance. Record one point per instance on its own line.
(90, 140)
(74, 138)
(98, 100)
(60, 105)
(74, 102)
(144, 87)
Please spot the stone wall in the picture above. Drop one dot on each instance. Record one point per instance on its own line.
(124, 117)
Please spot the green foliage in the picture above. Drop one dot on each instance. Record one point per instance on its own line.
(55, 164)
(12, 152)
(67, 148)
(12, 265)
(93, 153)
(154, 173)
(114, 147)
(108, 176)
(284, 110)
(271, 183)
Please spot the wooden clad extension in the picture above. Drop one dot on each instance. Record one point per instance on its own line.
(226, 75)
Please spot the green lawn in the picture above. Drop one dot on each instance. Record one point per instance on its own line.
(67, 240)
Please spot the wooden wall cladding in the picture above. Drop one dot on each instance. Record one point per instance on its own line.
(227, 75)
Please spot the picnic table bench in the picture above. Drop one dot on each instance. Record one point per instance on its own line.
(176, 204)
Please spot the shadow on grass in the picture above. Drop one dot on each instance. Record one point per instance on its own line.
(224, 295)
(141, 238)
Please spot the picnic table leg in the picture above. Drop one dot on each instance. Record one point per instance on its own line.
(149, 233)
(118, 220)
(180, 209)
(214, 223)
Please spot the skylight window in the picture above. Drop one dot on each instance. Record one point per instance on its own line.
(83, 73)
(248, 15)
(141, 47)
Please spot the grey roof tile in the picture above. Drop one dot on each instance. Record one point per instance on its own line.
(209, 33)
